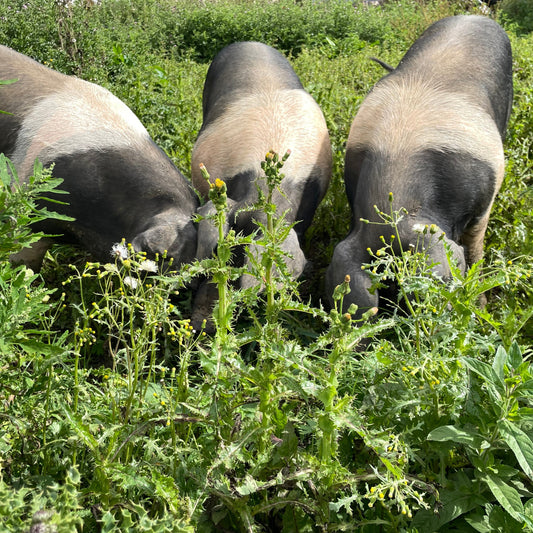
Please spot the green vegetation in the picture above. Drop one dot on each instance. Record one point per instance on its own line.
(116, 416)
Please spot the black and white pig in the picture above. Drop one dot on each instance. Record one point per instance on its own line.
(430, 132)
(120, 183)
(253, 103)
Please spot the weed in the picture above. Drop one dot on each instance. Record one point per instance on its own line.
(115, 415)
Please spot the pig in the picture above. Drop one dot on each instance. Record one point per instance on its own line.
(431, 133)
(120, 183)
(254, 103)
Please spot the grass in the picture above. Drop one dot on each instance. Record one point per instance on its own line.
(117, 416)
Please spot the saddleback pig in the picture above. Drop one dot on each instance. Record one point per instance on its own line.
(120, 183)
(430, 132)
(254, 103)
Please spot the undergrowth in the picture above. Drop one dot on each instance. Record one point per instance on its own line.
(365, 423)
(115, 415)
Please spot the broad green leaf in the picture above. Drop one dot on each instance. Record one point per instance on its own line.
(520, 444)
(499, 362)
(495, 384)
(494, 518)
(31, 346)
(463, 436)
(528, 510)
(525, 388)
(506, 495)
(515, 355)
(454, 504)
(73, 475)
(479, 522)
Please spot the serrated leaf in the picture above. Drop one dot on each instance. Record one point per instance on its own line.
(129, 477)
(107, 522)
(520, 444)
(82, 431)
(248, 486)
(166, 489)
(345, 502)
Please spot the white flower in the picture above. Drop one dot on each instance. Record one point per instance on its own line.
(119, 249)
(148, 265)
(419, 228)
(131, 282)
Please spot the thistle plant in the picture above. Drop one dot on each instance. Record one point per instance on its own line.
(273, 230)
(219, 270)
(23, 204)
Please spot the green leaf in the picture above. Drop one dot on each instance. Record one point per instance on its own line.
(31, 346)
(83, 431)
(528, 510)
(108, 522)
(345, 502)
(454, 504)
(479, 522)
(463, 436)
(248, 486)
(74, 475)
(499, 362)
(520, 444)
(515, 355)
(495, 384)
(166, 489)
(506, 495)
(494, 519)
(524, 389)
(394, 470)
(327, 394)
